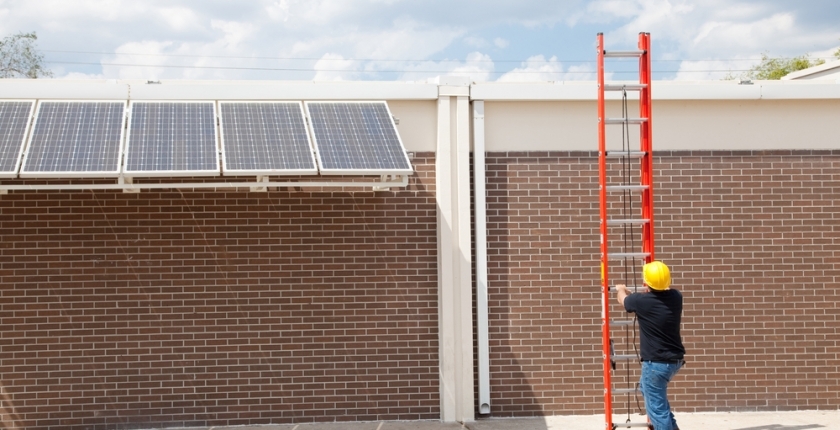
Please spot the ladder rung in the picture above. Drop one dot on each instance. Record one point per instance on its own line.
(625, 120)
(633, 288)
(628, 425)
(626, 391)
(627, 187)
(623, 357)
(622, 154)
(627, 221)
(624, 87)
(628, 254)
(630, 54)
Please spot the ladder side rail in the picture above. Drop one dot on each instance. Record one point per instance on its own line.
(602, 196)
(646, 144)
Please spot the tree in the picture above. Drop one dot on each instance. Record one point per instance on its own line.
(775, 68)
(19, 58)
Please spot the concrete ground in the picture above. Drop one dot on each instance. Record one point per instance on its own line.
(800, 420)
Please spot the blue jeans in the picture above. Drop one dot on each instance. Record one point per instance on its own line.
(654, 386)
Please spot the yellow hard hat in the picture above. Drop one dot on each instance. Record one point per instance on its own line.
(656, 275)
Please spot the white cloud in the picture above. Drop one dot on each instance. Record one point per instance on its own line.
(501, 43)
(150, 55)
(278, 10)
(538, 69)
(712, 70)
(475, 42)
(478, 67)
(233, 32)
(179, 19)
(747, 36)
(334, 67)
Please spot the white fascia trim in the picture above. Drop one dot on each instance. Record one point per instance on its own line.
(286, 90)
(60, 89)
(812, 70)
(804, 89)
(215, 90)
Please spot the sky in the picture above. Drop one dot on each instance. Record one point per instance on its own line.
(414, 40)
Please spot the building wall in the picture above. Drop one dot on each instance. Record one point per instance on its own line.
(218, 308)
(753, 241)
(572, 125)
(233, 307)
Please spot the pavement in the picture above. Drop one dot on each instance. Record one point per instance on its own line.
(798, 420)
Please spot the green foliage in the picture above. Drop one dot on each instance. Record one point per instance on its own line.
(775, 68)
(19, 57)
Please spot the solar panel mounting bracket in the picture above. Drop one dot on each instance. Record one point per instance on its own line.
(130, 182)
(260, 188)
(386, 178)
(127, 185)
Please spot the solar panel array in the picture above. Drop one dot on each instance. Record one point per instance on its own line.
(265, 138)
(75, 139)
(14, 121)
(357, 137)
(85, 139)
(172, 139)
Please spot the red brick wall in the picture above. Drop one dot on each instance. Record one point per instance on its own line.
(218, 308)
(753, 241)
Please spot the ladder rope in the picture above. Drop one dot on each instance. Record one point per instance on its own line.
(630, 274)
(627, 208)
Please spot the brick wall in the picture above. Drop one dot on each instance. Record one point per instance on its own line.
(226, 308)
(218, 308)
(753, 241)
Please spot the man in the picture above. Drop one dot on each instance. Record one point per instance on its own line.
(659, 312)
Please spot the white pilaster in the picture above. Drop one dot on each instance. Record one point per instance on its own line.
(454, 255)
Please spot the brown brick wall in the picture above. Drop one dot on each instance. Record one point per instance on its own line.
(225, 308)
(753, 240)
(218, 307)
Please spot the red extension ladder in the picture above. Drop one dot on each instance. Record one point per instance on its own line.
(626, 220)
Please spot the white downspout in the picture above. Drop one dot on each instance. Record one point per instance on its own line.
(481, 259)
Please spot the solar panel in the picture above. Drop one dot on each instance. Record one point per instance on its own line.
(357, 137)
(75, 139)
(14, 120)
(264, 138)
(171, 139)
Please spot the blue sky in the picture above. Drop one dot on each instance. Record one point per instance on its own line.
(413, 40)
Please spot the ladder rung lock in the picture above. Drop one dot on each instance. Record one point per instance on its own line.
(627, 221)
(627, 187)
(629, 54)
(626, 391)
(624, 87)
(622, 154)
(625, 120)
(628, 254)
(623, 357)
